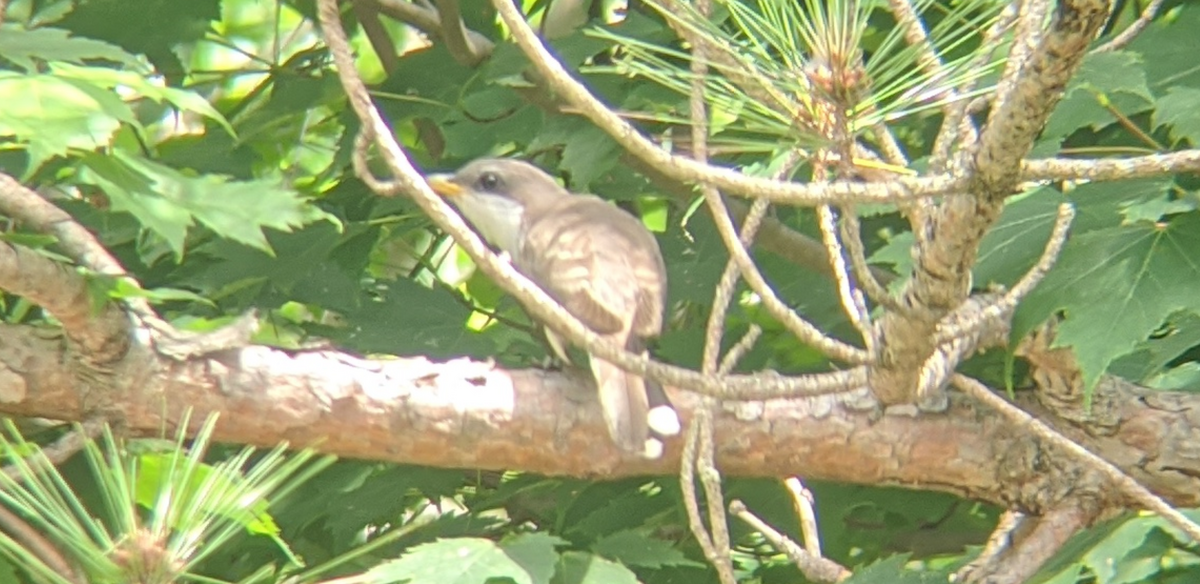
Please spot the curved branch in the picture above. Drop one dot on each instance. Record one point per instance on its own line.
(1029, 543)
(381, 41)
(454, 33)
(475, 47)
(1127, 485)
(63, 292)
(689, 171)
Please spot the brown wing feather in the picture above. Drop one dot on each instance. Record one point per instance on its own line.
(591, 237)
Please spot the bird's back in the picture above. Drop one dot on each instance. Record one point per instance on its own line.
(590, 236)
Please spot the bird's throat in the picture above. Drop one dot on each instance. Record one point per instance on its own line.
(498, 219)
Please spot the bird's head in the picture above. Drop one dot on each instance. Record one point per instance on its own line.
(494, 195)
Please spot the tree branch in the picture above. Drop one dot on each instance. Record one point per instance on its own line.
(425, 18)
(471, 414)
(1143, 20)
(101, 332)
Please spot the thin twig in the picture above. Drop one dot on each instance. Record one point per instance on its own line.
(814, 568)
(916, 36)
(454, 33)
(798, 326)
(803, 504)
(426, 19)
(714, 497)
(358, 159)
(958, 325)
(1134, 29)
(957, 128)
(739, 349)
(701, 422)
(851, 230)
(1106, 169)
(377, 34)
(715, 327)
(852, 300)
(704, 452)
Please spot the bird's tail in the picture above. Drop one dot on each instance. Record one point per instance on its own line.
(626, 410)
(662, 418)
(637, 411)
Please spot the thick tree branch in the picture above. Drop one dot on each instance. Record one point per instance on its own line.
(471, 414)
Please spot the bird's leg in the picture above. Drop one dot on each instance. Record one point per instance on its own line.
(558, 358)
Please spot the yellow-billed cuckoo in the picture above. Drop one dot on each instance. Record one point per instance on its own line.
(599, 262)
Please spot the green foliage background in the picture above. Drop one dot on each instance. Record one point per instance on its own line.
(207, 144)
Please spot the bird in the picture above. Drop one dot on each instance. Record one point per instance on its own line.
(596, 260)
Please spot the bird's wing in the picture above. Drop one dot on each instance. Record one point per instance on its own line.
(590, 271)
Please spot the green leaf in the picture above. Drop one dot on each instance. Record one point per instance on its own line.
(302, 268)
(411, 319)
(1124, 550)
(130, 81)
(1016, 241)
(695, 257)
(535, 552)
(52, 115)
(1179, 334)
(1168, 49)
(892, 570)
(25, 48)
(127, 288)
(155, 28)
(897, 252)
(1180, 110)
(587, 155)
(169, 202)
(583, 568)
(38, 241)
(633, 548)
(451, 561)
(1109, 204)
(606, 508)
(1186, 377)
(1117, 286)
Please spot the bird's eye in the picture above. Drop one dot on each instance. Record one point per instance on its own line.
(489, 182)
